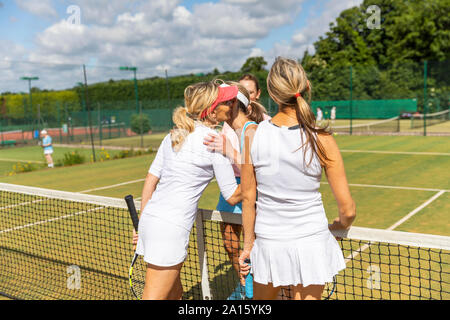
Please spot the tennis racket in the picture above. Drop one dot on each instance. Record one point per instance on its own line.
(330, 288)
(138, 266)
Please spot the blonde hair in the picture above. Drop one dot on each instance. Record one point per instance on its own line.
(197, 97)
(256, 112)
(286, 79)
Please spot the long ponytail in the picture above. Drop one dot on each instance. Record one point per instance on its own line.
(288, 86)
(183, 127)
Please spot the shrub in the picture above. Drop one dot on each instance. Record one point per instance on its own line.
(70, 159)
(138, 122)
(20, 167)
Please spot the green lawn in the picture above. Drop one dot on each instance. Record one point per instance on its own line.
(377, 207)
(34, 155)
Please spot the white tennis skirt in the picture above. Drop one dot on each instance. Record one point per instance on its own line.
(161, 242)
(312, 260)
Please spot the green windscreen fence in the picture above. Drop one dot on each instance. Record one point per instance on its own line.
(366, 109)
(160, 119)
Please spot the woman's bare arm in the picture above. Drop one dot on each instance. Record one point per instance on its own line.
(236, 197)
(248, 183)
(147, 191)
(335, 172)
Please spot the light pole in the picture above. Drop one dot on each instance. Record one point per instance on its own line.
(29, 79)
(134, 69)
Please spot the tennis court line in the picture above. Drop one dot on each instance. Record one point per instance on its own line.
(355, 253)
(398, 152)
(49, 220)
(392, 187)
(23, 161)
(112, 186)
(350, 184)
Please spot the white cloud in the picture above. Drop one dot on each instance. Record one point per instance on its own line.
(41, 8)
(163, 34)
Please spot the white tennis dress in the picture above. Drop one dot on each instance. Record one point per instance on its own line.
(168, 217)
(293, 243)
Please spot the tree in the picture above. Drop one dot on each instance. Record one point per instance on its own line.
(254, 64)
(140, 122)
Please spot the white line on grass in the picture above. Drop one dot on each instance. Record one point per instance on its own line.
(391, 187)
(23, 161)
(112, 186)
(355, 253)
(398, 152)
(49, 220)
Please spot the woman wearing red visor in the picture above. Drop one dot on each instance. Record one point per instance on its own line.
(182, 169)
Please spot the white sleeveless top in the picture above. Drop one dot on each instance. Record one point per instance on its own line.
(289, 204)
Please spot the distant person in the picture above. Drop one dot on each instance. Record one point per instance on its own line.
(319, 114)
(251, 84)
(333, 115)
(48, 148)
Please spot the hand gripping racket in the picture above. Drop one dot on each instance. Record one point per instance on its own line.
(138, 267)
(248, 282)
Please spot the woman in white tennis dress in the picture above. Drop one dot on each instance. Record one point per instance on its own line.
(287, 237)
(182, 169)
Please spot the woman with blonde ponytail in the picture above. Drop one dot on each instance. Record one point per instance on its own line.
(182, 169)
(287, 236)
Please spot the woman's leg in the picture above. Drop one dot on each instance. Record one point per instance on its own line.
(162, 283)
(231, 234)
(49, 159)
(177, 292)
(311, 292)
(265, 291)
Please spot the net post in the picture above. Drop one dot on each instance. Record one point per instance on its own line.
(351, 100)
(425, 102)
(202, 257)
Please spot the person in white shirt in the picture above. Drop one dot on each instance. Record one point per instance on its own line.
(179, 174)
(333, 115)
(287, 236)
(319, 114)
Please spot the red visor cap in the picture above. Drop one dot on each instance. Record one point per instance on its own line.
(225, 94)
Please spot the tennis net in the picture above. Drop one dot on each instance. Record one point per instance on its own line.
(431, 119)
(374, 127)
(63, 245)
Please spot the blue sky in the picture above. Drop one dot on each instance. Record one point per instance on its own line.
(181, 36)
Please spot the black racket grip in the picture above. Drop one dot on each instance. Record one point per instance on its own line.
(133, 213)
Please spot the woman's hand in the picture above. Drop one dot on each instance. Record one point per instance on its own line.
(216, 143)
(243, 266)
(337, 225)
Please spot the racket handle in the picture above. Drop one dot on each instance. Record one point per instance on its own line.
(133, 213)
(248, 283)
